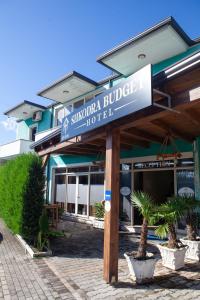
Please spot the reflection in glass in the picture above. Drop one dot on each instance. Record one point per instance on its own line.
(96, 191)
(71, 194)
(82, 194)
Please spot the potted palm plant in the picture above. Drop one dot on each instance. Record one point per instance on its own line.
(192, 240)
(173, 251)
(142, 264)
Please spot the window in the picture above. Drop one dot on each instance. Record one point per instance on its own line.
(32, 132)
(96, 191)
(78, 103)
(60, 113)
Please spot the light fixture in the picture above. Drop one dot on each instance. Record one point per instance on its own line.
(141, 56)
(65, 92)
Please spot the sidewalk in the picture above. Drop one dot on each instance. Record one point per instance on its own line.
(78, 260)
(75, 272)
(22, 277)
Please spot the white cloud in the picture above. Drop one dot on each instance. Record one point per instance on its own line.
(9, 124)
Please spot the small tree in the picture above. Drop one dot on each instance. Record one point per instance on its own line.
(147, 209)
(191, 205)
(169, 213)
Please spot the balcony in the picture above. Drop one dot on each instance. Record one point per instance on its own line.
(12, 149)
(42, 134)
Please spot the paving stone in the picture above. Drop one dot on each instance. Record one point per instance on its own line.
(19, 273)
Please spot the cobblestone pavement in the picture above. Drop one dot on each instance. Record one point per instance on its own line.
(75, 271)
(21, 277)
(78, 261)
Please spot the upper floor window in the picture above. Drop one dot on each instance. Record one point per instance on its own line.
(60, 113)
(32, 132)
(63, 111)
(78, 103)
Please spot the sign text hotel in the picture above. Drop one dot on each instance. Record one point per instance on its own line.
(130, 95)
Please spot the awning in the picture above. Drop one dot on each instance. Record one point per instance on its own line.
(156, 44)
(69, 87)
(24, 110)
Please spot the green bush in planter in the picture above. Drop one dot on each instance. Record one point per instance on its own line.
(22, 185)
(99, 210)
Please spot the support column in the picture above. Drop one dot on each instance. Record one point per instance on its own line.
(196, 152)
(111, 219)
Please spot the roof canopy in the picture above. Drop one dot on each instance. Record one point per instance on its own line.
(156, 44)
(69, 87)
(24, 110)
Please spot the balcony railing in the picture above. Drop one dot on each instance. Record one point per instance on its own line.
(40, 135)
(15, 148)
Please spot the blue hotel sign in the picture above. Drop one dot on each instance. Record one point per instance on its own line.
(130, 95)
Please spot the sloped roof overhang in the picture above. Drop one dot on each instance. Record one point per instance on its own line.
(164, 40)
(68, 87)
(24, 110)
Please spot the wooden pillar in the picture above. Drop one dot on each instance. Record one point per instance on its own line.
(111, 219)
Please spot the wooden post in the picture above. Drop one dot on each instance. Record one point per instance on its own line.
(111, 219)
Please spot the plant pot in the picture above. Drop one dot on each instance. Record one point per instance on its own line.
(98, 223)
(141, 270)
(193, 250)
(172, 258)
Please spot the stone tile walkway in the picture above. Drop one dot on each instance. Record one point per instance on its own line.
(75, 271)
(78, 261)
(21, 277)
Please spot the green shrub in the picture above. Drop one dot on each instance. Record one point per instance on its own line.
(22, 195)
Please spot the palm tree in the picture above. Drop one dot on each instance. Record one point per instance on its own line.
(169, 213)
(191, 204)
(146, 207)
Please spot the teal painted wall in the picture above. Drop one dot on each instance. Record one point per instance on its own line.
(44, 124)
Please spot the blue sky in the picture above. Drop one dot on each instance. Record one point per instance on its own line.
(41, 40)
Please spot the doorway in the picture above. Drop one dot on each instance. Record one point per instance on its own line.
(77, 194)
(158, 184)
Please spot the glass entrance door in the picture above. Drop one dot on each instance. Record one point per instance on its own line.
(82, 195)
(71, 194)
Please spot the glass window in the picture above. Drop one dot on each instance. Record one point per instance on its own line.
(71, 194)
(78, 169)
(60, 189)
(33, 131)
(125, 167)
(185, 187)
(60, 170)
(60, 113)
(98, 168)
(186, 162)
(125, 193)
(96, 191)
(78, 103)
(82, 194)
(185, 182)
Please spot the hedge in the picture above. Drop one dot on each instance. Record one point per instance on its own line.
(22, 185)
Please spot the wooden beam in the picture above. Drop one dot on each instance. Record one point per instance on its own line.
(111, 219)
(175, 132)
(143, 135)
(95, 134)
(92, 147)
(77, 150)
(125, 146)
(45, 160)
(193, 116)
(128, 139)
(180, 101)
